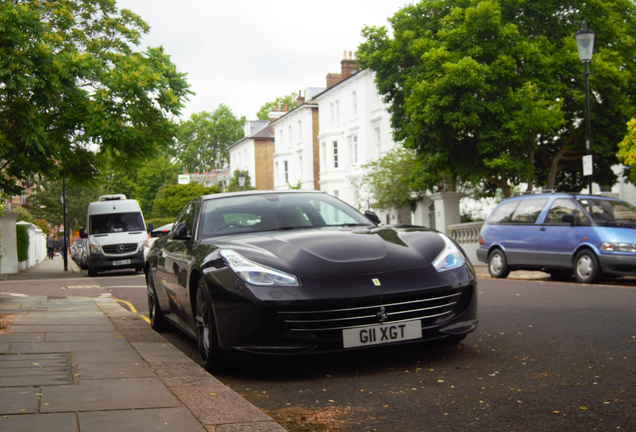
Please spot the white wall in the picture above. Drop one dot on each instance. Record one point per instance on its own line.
(8, 243)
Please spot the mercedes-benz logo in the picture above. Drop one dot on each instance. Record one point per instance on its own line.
(382, 315)
(120, 248)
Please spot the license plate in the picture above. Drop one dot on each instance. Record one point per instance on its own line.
(121, 262)
(380, 334)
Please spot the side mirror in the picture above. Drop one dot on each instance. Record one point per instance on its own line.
(568, 218)
(372, 217)
(150, 227)
(181, 232)
(82, 233)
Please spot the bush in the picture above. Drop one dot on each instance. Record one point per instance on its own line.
(23, 242)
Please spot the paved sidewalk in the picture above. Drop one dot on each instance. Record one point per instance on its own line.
(80, 364)
(49, 269)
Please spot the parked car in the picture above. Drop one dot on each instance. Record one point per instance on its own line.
(298, 272)
(562, 234)
(155, 234)
(82, 260)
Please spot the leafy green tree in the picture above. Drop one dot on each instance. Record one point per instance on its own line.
(389, 180)
(233, 184)
(491, 90)
(173, 197)
(150, 178)
(290, 100)
(47, 203)
(203, 139)
(627, 150)
(71, 81)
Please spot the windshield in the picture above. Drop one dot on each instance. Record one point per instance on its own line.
(252, 213)
(116, 222)
(609, 212)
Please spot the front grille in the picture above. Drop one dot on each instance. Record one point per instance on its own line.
(328, 321)
(117, 249)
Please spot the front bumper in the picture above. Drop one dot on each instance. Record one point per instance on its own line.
(618, 264)
(314, 321)
(100, 262)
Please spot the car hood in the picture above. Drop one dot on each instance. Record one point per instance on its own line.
(312, 252)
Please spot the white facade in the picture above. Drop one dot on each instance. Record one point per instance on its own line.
(242, 153)
(293, 155)
(354, 129)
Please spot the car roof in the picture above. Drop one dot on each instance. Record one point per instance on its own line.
(522, 195)
(259, 192)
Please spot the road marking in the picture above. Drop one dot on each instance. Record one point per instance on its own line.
(127, 286)
(133, 310)
(81, 286)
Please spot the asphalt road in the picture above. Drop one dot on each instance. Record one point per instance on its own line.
(546, 356)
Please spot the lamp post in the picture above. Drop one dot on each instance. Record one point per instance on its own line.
(241, 180)
(64, 244)
(585, 46)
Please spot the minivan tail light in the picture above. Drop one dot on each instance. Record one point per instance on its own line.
(481, 240)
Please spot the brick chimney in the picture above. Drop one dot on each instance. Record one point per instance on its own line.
(300, 99)
(348, 66)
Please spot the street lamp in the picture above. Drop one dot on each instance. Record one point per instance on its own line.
(585, 46)
(241, 179)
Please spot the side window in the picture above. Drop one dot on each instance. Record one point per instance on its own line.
(528, 210)
(503, 212)
(187, 216)
(563, 206)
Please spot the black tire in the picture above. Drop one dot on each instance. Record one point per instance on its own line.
(91, 272)
(497, 264)
(561, 275)
(157, 322)
(586, 267)
(212, 358)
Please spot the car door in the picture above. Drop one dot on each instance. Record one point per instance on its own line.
(170, 266)
(557, 239)
(518, 235)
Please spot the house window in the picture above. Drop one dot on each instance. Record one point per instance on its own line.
(337, 111)
(323, 157)
(276, 173)
(354, 104)
(300, 131)
(300, 167)
(378, 142)
(335, 154)
(331, 112)
(286, 167)
(289, 135)
(353, 149)
(280, 134)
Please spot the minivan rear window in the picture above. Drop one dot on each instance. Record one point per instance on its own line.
(116, 222)
(528, 210)
(503, 212)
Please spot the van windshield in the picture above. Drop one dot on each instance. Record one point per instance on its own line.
(116, 222)
(610, 212)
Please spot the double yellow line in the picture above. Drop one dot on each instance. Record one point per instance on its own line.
(133, 310)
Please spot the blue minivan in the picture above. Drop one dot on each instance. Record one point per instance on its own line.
(560, 233)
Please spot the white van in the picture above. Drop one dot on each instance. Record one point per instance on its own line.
(116, 234)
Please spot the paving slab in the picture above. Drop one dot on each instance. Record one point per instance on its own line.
(18, 400)
(4, 347)
(165, 419)
(125, 356)
(64, 422)
(220, 407)
(83, 337)
(62, 328)
(21, 337)
(119, 344)
(248, 427)
(107, 394)
(63, 318)
(35, 370)
(157, 352)
(90, 371)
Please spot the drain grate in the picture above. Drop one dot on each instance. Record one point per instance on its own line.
(34, 370)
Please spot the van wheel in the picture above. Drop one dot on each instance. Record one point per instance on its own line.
(497, 264)
(586, 267)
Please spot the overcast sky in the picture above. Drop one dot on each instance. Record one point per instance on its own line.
(244, 53)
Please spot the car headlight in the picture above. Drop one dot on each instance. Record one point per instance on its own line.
(95, 249)
(450, 258)
(618, 247)
(257, 274)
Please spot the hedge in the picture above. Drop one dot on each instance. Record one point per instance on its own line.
(23, 242)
